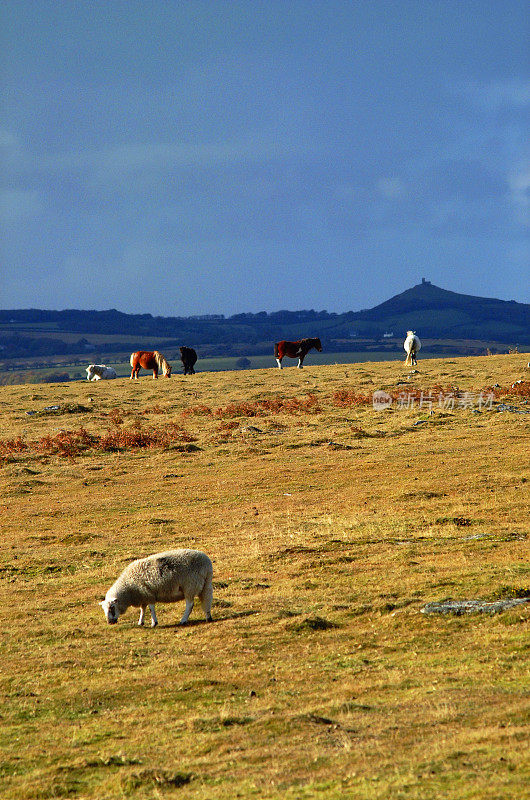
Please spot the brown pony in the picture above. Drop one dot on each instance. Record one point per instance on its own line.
(297, 350)
(148, 360)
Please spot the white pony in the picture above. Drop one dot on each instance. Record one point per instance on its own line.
(100, 372)
(412, 346)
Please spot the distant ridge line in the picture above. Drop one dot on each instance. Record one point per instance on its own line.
(435, 313)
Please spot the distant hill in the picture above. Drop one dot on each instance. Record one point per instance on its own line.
(435, 313)
(439, 313)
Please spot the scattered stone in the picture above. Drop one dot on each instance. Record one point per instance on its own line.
(66, 408)
(459, 607)
(504, 407)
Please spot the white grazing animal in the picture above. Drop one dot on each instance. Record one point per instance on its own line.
(100, 372)
(162, 578)
(412, 346)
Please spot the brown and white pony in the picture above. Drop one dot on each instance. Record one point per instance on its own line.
(297, 350)
(149, 360)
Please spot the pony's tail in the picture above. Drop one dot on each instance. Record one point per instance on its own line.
(276, 350)
(132, 359)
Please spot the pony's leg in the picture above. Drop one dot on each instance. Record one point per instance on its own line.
(279, 362)
(187, 611)
(155, 374)
(300, 362)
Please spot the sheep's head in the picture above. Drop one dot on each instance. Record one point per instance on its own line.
(111, 610)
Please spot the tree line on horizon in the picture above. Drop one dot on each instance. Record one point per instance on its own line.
(433, 312)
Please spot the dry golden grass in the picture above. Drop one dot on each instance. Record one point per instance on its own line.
(330, 526)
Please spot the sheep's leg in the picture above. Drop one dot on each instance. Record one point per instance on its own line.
(154, 621)
(187, 611)
(142, 615)
(206, 598)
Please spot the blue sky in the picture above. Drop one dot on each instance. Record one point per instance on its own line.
(181, 158)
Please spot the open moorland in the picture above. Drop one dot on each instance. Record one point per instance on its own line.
(330, 524)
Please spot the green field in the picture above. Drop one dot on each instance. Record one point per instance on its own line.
(76, 369)
(265, 362)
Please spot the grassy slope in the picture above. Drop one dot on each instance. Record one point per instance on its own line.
(342, 514)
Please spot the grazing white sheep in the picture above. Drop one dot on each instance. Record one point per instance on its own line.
(100, 372)
(412, 346)
(162, 578)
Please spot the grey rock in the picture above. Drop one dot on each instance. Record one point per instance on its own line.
(460, 607)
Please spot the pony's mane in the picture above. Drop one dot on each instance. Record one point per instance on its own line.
(162, 363)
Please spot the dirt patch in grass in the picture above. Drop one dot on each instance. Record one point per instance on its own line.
(155, 779)
(311, 622)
